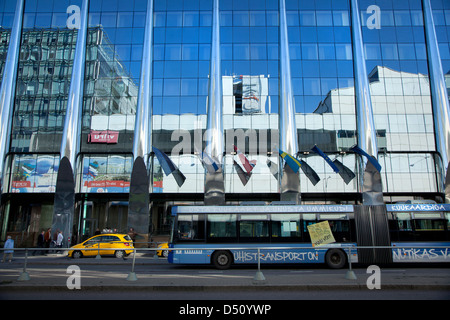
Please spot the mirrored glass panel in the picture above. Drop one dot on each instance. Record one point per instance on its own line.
(397, 67)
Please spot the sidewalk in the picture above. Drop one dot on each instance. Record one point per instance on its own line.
(152, 273)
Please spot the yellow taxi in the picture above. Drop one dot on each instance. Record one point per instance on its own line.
(118, 245)
(163, 253)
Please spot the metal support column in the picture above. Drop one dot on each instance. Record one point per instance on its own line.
(70, 144)
(370, 178)
(7, 90)
(142, 128)
(64, 203)
(214, 182)
(290, 181)
(138, 205)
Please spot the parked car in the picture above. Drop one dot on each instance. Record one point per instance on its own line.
(163, 253)
(118, 245)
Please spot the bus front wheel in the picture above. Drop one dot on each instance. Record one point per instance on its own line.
(335, 259)
(222, 259)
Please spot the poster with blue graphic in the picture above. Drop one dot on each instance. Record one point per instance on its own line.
(34, 173)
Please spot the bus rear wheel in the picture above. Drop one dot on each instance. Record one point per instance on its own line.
(222, 259)
(335, 259)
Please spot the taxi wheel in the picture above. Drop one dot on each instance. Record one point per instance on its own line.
(77, 255)
(119, 254)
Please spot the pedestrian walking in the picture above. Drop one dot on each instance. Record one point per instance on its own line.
(48, 237)
(40, 243)
(59, 239)
(8, 253)
(132, 235)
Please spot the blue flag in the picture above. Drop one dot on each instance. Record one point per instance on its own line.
(327, 159)
(290, 160)
(372, 160)
(169, 167)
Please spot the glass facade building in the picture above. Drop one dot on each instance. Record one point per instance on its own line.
(288, 70)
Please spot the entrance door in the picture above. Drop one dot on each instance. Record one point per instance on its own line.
(88, 227)
(88, 224)
(118, 216)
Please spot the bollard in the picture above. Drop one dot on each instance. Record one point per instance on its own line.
(350, 275)
(132, 275)
(24, 276)
(98, 252)
(259, 275)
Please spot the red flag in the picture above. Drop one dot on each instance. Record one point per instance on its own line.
(248, 165)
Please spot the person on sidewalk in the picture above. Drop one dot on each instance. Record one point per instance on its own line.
(40, 243)
(48, 237)
(59, 240)
(9, 245)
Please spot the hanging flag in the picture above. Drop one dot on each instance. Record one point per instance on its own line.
(248, 165)
(327, 159)
(290, 160)
(273, 168)
(309, 172)
(169, 167)
(372, 160)
(346, 174)
(244, 176)
(208, 163)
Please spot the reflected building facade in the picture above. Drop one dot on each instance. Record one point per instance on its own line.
(322, 76)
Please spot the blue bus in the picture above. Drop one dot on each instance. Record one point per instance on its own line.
(222, 235)
(226, 235)
(420, 232)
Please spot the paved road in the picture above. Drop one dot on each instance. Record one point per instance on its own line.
(156, 279)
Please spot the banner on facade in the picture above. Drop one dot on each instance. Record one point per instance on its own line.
(105, 136)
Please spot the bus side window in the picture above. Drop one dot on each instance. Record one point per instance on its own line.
(306, 236)
(285, 226)
(430, 229)
(340, 230)
(404, 225)
(393, 230)
(191, 227)
(221, 227)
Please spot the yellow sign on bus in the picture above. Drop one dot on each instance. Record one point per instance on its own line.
(320, 233)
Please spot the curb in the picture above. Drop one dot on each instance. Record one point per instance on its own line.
(262, 287)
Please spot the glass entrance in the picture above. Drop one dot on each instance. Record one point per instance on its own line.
(102, 216)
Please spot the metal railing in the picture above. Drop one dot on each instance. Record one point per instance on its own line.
(259, 277)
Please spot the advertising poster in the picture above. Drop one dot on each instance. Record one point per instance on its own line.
(106, 174)
(34, 173)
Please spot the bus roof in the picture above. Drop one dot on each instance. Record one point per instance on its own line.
(262, 209)
(414, 207)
